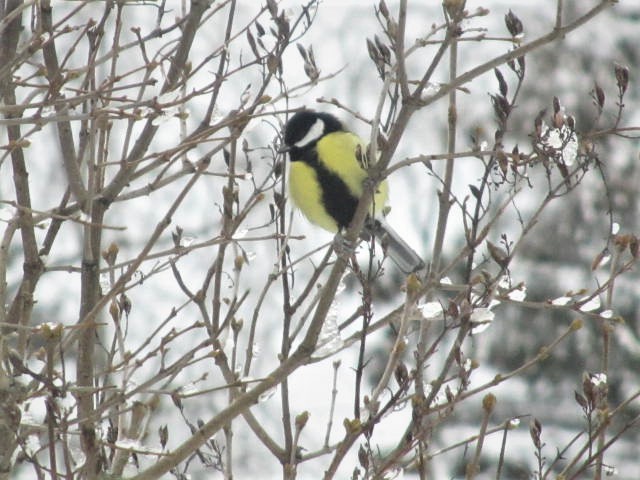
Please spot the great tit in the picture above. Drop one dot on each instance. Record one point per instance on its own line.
(326, 175)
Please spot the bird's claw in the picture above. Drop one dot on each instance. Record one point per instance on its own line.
(343, 247)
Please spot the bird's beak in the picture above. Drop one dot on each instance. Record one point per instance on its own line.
(284, 149)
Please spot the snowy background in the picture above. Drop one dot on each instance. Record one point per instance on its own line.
(556, 259)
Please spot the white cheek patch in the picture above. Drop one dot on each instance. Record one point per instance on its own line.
(314, 133)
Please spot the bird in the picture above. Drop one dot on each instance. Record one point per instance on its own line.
(327, 171)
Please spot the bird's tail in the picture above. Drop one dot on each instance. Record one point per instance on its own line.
(407, 260)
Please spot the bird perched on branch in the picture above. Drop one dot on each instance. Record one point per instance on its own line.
(327, 172)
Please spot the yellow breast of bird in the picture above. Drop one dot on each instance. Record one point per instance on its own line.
(306, 194)
(336, 152)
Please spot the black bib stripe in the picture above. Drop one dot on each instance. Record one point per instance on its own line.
(337, 199)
